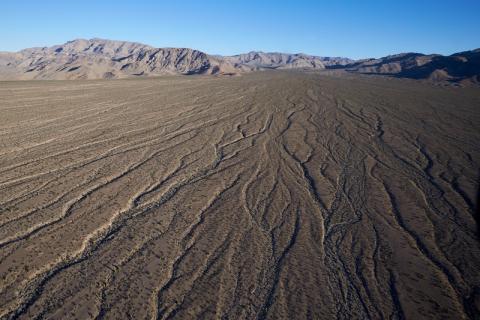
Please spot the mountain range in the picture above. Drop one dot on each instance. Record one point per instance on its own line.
(106, 59)
(99, 58)
(458, 67)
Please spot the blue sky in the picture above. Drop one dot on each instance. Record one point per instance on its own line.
(356, 29)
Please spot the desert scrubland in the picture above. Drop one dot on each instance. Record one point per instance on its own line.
(264, 196)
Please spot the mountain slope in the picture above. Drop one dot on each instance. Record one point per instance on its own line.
(104, 59)
(99, 58)
(458, 67)
(257, 60)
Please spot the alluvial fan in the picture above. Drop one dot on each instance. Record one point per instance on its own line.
(270, 195)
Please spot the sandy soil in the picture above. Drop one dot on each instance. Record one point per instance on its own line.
(270, 196)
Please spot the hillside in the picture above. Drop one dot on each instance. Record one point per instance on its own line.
(458, 67)
(107, 59)
(100, 58)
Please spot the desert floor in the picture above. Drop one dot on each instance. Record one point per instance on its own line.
(273, 195)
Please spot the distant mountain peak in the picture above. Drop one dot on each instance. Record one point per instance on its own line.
(458, 67)
(102, 58)
(98, 58)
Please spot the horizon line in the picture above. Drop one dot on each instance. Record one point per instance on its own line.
(244, 52)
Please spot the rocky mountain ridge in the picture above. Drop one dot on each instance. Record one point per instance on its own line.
(460, 67)
(106, 59)
(100, 58)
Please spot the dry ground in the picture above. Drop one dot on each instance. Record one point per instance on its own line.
(271, 195)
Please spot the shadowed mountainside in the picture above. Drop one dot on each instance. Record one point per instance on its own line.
(99, 58)
(459, 67)
(107, 59)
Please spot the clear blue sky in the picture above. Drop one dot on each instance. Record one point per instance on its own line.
(355, 28)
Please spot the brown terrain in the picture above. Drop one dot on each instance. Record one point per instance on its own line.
(108, 59)
(462, 67)
(274, 195)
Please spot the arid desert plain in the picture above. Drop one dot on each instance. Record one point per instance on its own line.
(270, 195)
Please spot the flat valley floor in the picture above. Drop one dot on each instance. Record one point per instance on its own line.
(273, 195)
